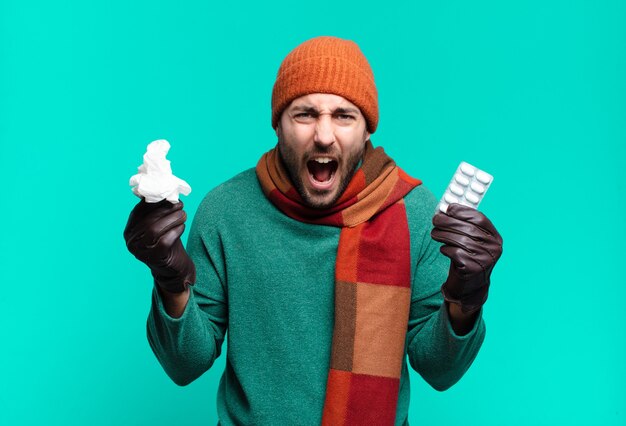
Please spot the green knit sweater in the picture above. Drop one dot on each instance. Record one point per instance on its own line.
(269, 280)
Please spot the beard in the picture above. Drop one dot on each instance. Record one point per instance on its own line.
(294, 165)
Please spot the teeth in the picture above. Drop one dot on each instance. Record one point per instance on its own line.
(323, 160)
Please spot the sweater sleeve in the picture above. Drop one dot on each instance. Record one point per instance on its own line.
(435, 351)
(187, 346)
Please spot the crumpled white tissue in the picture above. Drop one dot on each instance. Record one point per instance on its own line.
(155, 180)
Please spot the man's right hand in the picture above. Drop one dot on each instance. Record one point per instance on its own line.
(152, 235)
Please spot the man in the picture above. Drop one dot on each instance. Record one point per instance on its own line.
(320, 263)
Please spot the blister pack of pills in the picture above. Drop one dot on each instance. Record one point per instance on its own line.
(468, 187)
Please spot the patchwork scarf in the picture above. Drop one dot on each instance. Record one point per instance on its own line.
(372, 283)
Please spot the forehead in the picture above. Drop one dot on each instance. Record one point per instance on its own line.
(322, 101)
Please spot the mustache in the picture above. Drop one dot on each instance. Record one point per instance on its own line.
(331, 152)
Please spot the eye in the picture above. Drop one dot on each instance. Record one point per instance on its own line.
(345, 117)
(304, 117)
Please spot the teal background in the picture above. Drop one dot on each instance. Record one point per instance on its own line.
(533, 92)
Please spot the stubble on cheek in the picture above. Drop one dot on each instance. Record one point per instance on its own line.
(289, 159)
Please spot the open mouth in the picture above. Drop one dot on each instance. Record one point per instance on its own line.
(322, 172)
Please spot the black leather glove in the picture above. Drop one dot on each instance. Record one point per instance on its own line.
(152, 235)
(474, 246)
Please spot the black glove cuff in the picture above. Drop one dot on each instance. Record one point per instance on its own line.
(470, 303)
(173, 284)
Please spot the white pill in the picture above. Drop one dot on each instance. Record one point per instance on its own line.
(467, 169)
(459, 178)
(477, 187)
(456, 189)
(471, 198)
(450, 199)
(466, 178)
(483, 177)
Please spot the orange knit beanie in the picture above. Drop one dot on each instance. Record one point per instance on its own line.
(326, 65)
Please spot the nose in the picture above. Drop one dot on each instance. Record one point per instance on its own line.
(324, 131)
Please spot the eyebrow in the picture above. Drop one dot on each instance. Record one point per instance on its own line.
(311, 109)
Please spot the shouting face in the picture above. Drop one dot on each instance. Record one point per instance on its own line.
(321, 139)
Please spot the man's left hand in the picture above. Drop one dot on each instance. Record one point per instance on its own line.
(474, 246)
